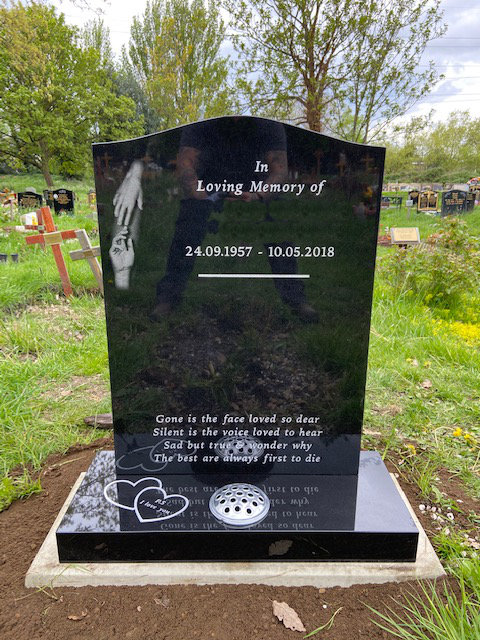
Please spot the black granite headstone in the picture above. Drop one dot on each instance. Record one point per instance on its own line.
(29, 200)
(63, 201)
(239, 257)
(48, 195)
(470, 201)
(454, 202)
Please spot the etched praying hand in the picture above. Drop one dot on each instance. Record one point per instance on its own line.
(122, 255)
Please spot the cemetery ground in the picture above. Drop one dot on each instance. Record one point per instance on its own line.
(422, 414)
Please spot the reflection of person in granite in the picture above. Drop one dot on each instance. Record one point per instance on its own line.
(222, 151)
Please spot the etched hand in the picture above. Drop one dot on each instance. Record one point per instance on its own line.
(122, 256)
(129, 194)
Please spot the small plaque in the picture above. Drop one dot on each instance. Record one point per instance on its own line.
(405, 235)
(85, 254)
(409, 203)
(55, 237)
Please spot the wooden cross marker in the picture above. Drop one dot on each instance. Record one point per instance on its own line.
(50, 237)
(87, 252)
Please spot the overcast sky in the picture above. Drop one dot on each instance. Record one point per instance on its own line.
(457, 54)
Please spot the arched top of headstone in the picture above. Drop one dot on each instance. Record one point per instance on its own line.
(240, 119)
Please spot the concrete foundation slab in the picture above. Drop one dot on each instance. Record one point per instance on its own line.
(47, 570)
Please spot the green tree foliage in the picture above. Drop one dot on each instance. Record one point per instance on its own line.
(346, 65)
(454, 146)
(57, 98)
(128, 84)
(406, 146)
(382, 79)
(443, 151)
(96, 35)
(173, 56)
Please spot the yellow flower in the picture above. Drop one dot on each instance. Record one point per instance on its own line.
(457, 432)
(468, 331)
(412, 448)
(468, 437)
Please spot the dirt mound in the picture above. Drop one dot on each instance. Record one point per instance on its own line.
(158, 613)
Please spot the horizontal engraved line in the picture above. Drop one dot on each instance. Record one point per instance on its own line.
(252, 275)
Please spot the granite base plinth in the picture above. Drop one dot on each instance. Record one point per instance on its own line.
(115, 518)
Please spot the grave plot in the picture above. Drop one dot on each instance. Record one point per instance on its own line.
(217, 400)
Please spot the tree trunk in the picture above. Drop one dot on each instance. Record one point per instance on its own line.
(45, 164)
(314, 114)
(46, 173)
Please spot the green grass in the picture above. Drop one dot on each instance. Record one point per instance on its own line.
(412, 343)
(433, 614)
(40, 351)
(405, 352)
(426, 222)
(54, 373)
(53, 365)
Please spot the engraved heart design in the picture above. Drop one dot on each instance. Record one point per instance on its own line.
(152, 504)
(109, 490)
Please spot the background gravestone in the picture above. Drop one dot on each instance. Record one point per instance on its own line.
(413, 195)
(454, 202)
(29, 200)
(92, 198)
(396, 201)
(239, 257)
(49, 199)
(427, 200)
(385, 202)
(475, 189)
(63, 201)
(470, 201)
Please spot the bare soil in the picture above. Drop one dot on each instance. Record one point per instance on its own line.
(165, 613)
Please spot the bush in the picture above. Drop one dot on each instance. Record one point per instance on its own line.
(440, 272)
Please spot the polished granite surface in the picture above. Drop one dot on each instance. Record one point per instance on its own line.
(167, 517)
(238, 292)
